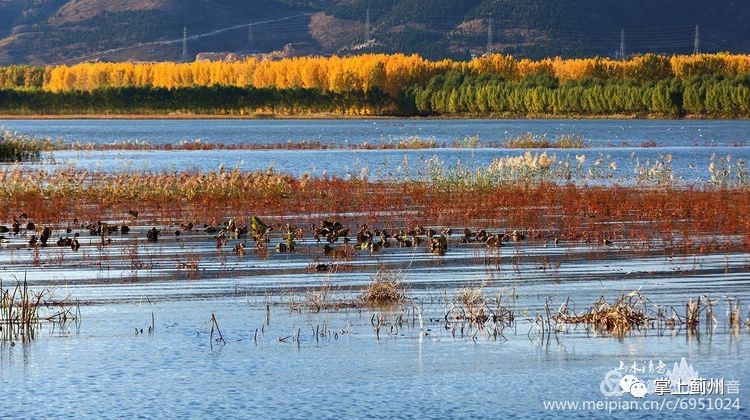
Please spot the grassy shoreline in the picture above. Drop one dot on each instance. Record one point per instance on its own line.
(333, 116)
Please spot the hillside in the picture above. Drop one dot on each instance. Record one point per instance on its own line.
(53, 31)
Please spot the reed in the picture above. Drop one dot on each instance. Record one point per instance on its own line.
(528, 140)
(21, 311)
(625, 314)
(16, 148)
(386, 289)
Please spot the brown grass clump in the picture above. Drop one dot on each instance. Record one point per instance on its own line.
(528, 141)
(386, 289)
(626, 313)
(473, 307)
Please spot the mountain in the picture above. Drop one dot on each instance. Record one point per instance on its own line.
(55, 31)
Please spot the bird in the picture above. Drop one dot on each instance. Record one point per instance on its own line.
(152, 235)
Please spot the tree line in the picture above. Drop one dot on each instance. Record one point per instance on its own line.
(713, 85)
(219, 100)
(717, 96)
(392, 73)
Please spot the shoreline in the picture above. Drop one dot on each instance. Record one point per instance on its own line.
(262, 116)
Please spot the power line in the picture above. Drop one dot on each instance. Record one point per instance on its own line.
(178, 40)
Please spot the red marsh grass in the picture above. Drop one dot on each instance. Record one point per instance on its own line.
(589, 213)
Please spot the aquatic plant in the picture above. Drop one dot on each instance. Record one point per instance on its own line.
(525, 169)
(386, 288)
(626, 313)
(21, 311)
(528, 140)
(658, 174)
(570, 141)
(468, 142)
(15, 148)
(726, 172)
(416, 142)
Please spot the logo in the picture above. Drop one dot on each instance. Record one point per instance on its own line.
(638, 379)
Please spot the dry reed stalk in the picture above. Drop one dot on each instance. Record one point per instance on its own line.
(386, 289)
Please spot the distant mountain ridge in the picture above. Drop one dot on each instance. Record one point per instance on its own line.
(54, 31)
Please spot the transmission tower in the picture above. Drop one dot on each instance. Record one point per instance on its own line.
(367, 26)
(184, 43)
(697, 41)
(622, 44)
(250, 38)
(489, 36)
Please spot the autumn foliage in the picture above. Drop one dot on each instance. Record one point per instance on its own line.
(390, 73)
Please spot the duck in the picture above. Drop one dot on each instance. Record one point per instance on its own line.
(517, 236)
(46, 234)
(466, 238)
(64, 242)
(494, 241)
(152, 235)
(439, 244)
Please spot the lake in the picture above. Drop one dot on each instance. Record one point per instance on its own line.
(283, 358)
(690, 143)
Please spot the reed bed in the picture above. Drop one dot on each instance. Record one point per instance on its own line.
(587, 213)
(199, 144)
(531, 141)
(16, 148)
(526, 140)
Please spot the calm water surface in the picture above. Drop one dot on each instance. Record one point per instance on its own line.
(103, 368)
(690, 142)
